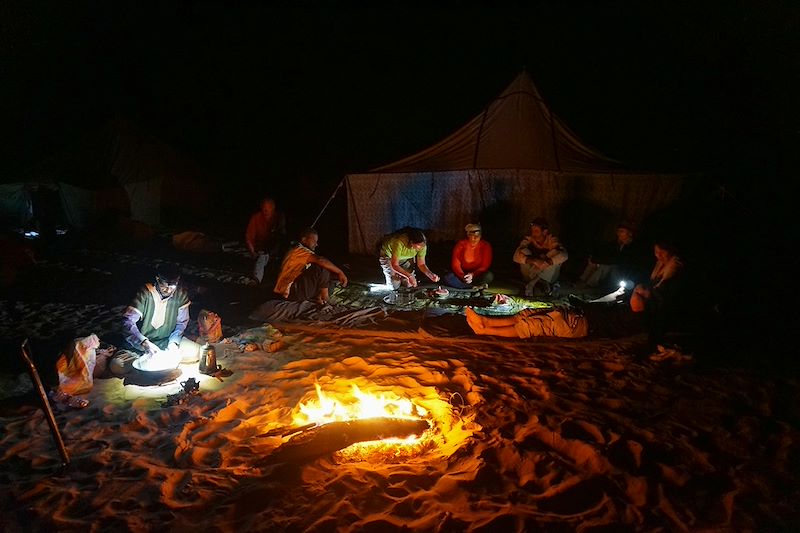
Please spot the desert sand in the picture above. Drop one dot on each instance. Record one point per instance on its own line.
(536, 435)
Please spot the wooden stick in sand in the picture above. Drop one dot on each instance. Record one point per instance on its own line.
(48, 411)
(328, 438)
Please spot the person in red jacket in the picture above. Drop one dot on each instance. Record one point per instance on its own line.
(264, 236)
(470, 262)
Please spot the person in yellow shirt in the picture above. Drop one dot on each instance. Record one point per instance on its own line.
(398, 254)
(305, 275)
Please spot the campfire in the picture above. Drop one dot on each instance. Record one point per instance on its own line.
(367, 422)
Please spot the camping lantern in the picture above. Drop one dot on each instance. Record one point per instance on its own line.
(208, 359)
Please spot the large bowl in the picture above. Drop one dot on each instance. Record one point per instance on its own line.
(137, 364)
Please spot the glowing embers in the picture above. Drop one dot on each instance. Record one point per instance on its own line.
(393, 425)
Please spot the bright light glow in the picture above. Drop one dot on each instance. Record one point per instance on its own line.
(610, 297)
(358, 406)
(153, 391)
(189, 370)
(380, 287)
(31, 234)
(623, 284)
(159, 361)
(349, 401)
(192, 370)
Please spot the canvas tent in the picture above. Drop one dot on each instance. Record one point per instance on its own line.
(513, 161)
(118, 168)
(16, 206)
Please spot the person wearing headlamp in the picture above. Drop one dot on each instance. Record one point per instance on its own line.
(470, 261)
(154, 322)
(613, 261)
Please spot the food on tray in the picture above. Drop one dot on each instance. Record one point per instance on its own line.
(501, 299)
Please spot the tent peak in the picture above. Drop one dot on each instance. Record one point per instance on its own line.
(515, 130)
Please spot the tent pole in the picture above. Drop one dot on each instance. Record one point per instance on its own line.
(314, 224)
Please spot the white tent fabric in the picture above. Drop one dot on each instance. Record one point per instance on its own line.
(514, 161)
(442, 203)
(516, 130)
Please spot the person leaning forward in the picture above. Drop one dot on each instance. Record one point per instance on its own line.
(399, 252)
(305, 275)
(154, 323)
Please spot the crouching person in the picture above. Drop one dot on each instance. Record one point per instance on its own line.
(154, 322)
(540, 255)
(305, 275)
(399, 251)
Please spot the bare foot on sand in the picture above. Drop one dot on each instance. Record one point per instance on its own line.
(474, 320)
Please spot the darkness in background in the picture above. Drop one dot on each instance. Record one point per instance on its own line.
(287, 98)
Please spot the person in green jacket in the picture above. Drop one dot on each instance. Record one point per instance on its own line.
(154, 322)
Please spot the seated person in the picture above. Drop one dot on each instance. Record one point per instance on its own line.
(540, 256)
(471, 259)
(660, 298)
(529, 323)
(154, 322)
(613, 262)
(399, 252)
(305, 275)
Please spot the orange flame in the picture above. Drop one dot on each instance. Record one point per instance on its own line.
(359, 405)
(446, 432)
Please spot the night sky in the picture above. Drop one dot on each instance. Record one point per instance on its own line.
(277, 98)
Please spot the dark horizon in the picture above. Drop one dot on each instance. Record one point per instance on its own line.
(272, 99)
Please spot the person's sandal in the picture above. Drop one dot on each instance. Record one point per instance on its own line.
(68, 401)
